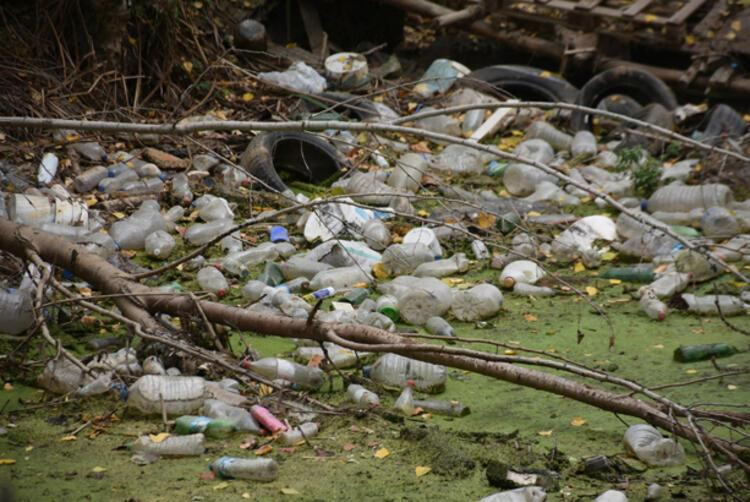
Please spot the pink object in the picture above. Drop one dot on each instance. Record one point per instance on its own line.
(266, 419)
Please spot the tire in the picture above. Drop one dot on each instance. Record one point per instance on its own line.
(620, 104)
(306, 156)
(723, 120)
(362, 108)
(525, 82)
(638, 84)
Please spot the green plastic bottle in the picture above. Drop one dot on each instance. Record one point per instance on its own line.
(691, 353)
(211, 427)
(637, 273)
(356, 296)
(271, 275)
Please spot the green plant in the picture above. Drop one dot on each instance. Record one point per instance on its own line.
(628, 157)
(646, 177)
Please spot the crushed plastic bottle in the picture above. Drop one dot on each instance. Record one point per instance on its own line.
(524, 289)
(439, 407)
(362, 396)
(480, 302)
(583, 144)
(159, 244)
(131, 232)
(521, 271)
(557, 139)
(402, 259)
(212, 280)
(405, 402)
(419, 298)
(89, 179)
(298, 77)
(439, 77)
(719, 223)
(525, 494)
(683, 198)
(181, 190)
(48, 168)
(407, 175)
(456, 264)
(91, 150)
(438, 326)
(521, 179)
(173, 446)
(179, 395)
(376, 234)
(426, 236)
(255, 469)
(669, 283)
(340, 278)
(652, 448)
(707, 305)
(16, 307)
(201, 233)
(396, 371)
(299, 434)
(273, 367)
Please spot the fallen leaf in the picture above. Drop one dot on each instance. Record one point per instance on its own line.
(510, 352)
(615, 281)
(249, 442)
(29, 448)
(578, 421)
(8, 386)
(421, 147)
(187, 66)
(245, 495)
(221, 485)
(7, 461)
(382, 453)
(545, 433)
(264, 449)
(158, 438)
(289, 449)
(650, 18)
(315, 361)
(579, 267)
(98, 469)
(348, 446)
(68, 438)
(591, 290)
(207, 476)
(658, 346)
(731, 387)
(486, 220)
(119, 215)
(690, 39)
(530, 317)
(691, 371)
(289, 491)
(248, 96)
(737, 25)
(421, 470)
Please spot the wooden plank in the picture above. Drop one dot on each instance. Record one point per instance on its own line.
(313, 28)
(587, 4)
(687, 10)
(636, 8)
(601, 10)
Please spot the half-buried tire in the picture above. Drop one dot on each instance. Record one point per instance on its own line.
(524, 82)
(305, 156)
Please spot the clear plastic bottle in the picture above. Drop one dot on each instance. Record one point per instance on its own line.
(480, 302)
(362, 396)
(424, 236)
(402, 259)
(291, 305)
(212, 280)
(142, 186)
(456, 264)
(479, 249)
(521, 271)
(91, 150)
(273, 367)
(440, 407)
(302, 267)
(376, 234)
(47, 168)
(152, 365)
(612, 496)
(159, 244)
(89, 179)
(173, 446)
(438, 326)
(216, 209)
(32, 210)
(181, 189)
(405, 402)
(706, 305)
(525, 494)
(407, 175)
(521, 179)
(669, 283)
(396, 371)
(239, 262)
(583, 144)
(65, 231)
(444, 124)
(130, 233)
(676, 198)
(255, 290)
(255, 469)
(180, 395)
(524, 289)
(201, 233)
(419, 298)
(99, 243)
(300, 433)
(173, 214)
(340, 278)
(719, 223)
(377, 192)
(232, 243)
(557, 139)
(114, 184)
(652, 448)
(652, 306)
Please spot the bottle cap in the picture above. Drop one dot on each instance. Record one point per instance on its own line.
(366, 371)
(390, 312)
(279, 234)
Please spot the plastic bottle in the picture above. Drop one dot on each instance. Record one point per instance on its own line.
(670, 283)
(153, 366)
(298, 434)
(583, 144)
(559, 140)
(458, 263)
(91, 150)
(525, 494)
(438, 326)
(211, 427)
(479, 249)
(111, 185)
(181, 189)
(388, 306)
(719, 223)
(266, 419)
(440, 407)
(703, 352)
(142, 186)
(683, 198)
(202, 233)
(212, 280)
(273, 367)
(654, 491)
(238, 263)
(376, 234)
(255, 469)
(424, 236)
(131, 232)
(295, 285)
(444, 124)
(47, 168)
(612, 496)
(291, 305)
(419, 298)
(216, 209)
(302, 267)
(521, 179)
(98, 243)
(173, 446)
(180, 395)
(405, 402)
(253, 291)
(652, 306)
(402, 259)
(65, 231)
(159, 244)
(636, 273)
(524, 289)
(480, 302)
(652, 448)
(396, 371)
(271, 274)
(407, 175)
(362, 396)
(728, 305)
(521, 271)
(89, 179)
(340, 278)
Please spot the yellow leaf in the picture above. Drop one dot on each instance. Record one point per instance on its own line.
(264, 450)
(533, 214)
(578, 421)
(517, 132)
(411, 106)
(158, 438)
(90, 201)
(486, 221)
(422, 213)
(382, 453)
(68, 438)
(579, 267)
(690, 39)
(650, 18)
(289, 491)
(98, 469)
(198, 5)
(29, 448)
(221, 485)
(187, 66)
(245, 495)
(530, 317)
(248, 96)
(691, 371)
(658, 346)
(609, 256)
(131, 40)
(510, 352)
(737, 25)
(380, 271)
(545, 433)
(731, 35)
(504, 193)
(591, 290)
(615, 281)
(421, 470)
(545, 74)
(7, 461)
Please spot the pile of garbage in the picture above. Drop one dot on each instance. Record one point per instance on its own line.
(354, 249)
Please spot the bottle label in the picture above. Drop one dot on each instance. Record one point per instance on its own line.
(285, 370)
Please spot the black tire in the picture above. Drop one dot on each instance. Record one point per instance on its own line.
(308, 157)
(343, 102)
(638, 84)
(524, 82)
(622, 105)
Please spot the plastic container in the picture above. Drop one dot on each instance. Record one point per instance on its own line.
(703, 352)
(424, 236)
(211, 427)
(298, 77)
(202, 233)
(438, 326)
(340, 278)
(89, 179)
(557, 139)
(255, 469)
(347, 70)
(210, 279)
(32, 210)
(16, 308)
(439, 77)
(180, 190)
(153, 366)
(682, 198)
(439, 407)
(419, 298)
(159, 244)
(179, 395)
(216, 209)
(396, 371)
(405, 402)
(131, 233)
(652, 306)
(522, 179)
(407, 174)
(273, 367)
(173, 446)
(232, 243)
(267, 419)
(480, 302)
(696, 264)
(583, 144)
(652, 448)
(456, 264)
(298, 434)
(525, 494)
(719, 223)
(402, 259)
(376, 234)
(521, 271)
(239, 262)
(388, 306)
(361, 396)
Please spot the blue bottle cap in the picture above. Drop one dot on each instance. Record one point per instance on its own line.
(279, 234)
